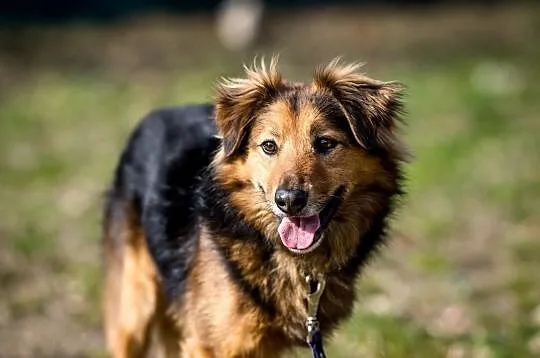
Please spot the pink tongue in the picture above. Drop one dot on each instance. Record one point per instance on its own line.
(298, 232)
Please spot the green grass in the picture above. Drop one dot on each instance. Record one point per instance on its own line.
(459, 280)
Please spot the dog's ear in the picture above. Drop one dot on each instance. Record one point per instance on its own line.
(372, 108)
(238, 101)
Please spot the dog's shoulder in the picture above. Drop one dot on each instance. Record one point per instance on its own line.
(175, 131)
(168, 146)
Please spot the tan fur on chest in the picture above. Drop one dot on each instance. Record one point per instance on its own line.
(216, 311)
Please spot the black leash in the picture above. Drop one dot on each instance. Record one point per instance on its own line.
(314, 337)
(316, 345)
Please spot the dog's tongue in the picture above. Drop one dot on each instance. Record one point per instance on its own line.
(298, 232)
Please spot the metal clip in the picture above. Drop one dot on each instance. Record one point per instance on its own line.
(315, 296)
(313, 299)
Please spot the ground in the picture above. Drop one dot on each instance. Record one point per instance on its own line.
(460, 276)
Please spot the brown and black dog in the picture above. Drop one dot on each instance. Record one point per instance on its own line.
(218, 212)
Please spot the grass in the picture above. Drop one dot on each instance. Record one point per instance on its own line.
(460, 278)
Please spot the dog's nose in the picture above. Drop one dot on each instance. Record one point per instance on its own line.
(291, 201)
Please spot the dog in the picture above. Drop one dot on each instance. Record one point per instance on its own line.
(217, 213)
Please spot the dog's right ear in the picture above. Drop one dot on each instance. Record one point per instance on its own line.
(239, 99)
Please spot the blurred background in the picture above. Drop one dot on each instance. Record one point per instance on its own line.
(461, 276)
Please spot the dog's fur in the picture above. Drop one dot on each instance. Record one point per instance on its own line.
(195, 266)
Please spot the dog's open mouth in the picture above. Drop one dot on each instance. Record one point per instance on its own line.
(303, 234)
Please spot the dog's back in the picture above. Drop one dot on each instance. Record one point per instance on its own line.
(155, 179)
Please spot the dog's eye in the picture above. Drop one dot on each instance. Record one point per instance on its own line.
(269, 147)
(324, 145)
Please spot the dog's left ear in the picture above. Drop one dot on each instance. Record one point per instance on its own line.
(238, 101)
(372, 108)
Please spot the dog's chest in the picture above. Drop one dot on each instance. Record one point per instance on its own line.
(291, 303)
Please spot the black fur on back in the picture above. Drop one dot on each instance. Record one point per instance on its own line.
(158, 174)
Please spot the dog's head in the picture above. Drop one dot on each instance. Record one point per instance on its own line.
(297, 157)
